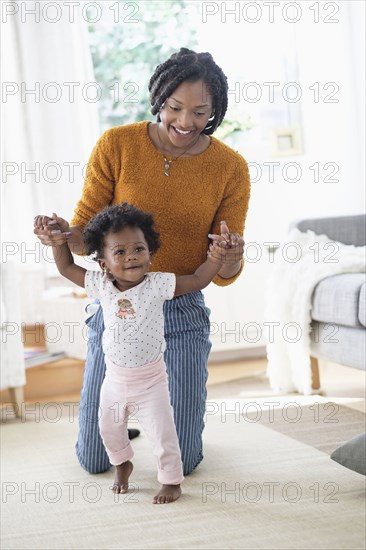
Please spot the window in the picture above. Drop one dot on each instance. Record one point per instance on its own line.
(127, 47)
(259, 60)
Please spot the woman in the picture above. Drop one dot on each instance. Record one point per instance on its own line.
(190, 182)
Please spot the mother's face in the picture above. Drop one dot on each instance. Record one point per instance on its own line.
(186, 112)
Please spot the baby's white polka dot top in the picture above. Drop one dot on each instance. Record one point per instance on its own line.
(133, 319)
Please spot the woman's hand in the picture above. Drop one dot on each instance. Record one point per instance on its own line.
(231, 245)
(52, 231)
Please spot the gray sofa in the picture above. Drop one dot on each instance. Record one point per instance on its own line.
(339, 301)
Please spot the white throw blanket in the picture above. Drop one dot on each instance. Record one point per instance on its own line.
(290, 289)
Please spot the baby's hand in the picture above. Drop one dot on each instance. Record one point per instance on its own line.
(51, 231)
(42, 222)
(215, 253)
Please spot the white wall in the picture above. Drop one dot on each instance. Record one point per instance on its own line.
(331, 133)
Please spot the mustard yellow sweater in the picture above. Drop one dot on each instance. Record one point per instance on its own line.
(187, 205)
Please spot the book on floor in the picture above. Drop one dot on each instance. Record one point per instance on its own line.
(39, 356)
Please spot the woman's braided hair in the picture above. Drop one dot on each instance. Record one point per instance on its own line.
(187, 65)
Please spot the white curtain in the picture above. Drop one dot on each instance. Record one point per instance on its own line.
(12, 372)
(46, 129)
(47, 136)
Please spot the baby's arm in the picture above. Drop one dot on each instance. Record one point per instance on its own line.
(64, 259)
(203, 274)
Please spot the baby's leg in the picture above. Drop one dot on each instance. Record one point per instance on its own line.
(123, 472)
(155, 415)
(113, 430)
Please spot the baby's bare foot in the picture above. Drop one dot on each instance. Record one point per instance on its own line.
(167, 493)
(123, 472)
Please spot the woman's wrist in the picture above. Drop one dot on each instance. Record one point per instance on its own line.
(230, 270)
(75, 242)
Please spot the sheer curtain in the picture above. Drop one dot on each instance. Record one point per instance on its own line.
(49, 126)
(50, 117)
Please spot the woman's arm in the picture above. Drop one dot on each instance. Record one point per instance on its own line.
(233, 245)
(230, 270)
(75, 239)
(233, 209)
(102, 172)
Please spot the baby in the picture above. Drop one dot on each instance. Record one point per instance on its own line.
(123, 240)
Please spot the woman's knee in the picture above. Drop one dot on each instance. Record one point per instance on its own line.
(190, 462)
(93, 466)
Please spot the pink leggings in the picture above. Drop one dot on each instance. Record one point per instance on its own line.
(143, 392)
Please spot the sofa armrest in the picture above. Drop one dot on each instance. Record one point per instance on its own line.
(344, 229)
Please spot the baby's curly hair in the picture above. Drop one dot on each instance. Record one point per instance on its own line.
(187, 65)
(111, 220)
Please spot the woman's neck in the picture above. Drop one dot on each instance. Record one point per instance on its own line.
(169, 150)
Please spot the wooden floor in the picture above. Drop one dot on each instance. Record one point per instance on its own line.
(62, 380)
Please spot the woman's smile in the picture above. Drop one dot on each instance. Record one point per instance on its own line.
(184, 117)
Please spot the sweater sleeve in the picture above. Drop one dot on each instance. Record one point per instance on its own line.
(99, 184)
(233, 209)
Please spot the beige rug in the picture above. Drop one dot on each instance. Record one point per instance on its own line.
(324, 424)
(257, 488)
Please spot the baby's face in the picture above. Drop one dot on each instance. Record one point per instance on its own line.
(127, 256)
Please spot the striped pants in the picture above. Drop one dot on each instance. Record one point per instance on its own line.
(187, 329)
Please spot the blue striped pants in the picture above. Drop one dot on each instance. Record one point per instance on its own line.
(187, 329)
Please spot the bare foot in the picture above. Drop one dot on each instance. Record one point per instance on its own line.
(167, 493)
(123, 472)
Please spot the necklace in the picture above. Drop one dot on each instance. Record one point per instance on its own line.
(167, 162)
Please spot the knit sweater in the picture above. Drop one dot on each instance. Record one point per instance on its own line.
(200, 190)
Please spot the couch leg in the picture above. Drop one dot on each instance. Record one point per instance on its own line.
(315, 373)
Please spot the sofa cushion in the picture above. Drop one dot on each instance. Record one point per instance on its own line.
(362, 306)
(343, 345)
(336, 299)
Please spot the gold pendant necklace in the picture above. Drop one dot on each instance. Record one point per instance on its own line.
(168, 163)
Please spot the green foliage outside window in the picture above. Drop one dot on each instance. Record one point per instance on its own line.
(125, 55)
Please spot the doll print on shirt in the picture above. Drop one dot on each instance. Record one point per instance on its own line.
(125, 310)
